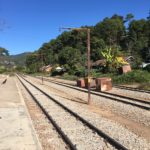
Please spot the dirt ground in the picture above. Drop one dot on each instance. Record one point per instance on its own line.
(16, 130)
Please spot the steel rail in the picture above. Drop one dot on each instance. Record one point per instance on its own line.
(113, 142)
(121, 96)
(130, 98)
(105, 96)
(132, 89)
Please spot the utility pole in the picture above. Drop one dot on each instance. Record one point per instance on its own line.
(88, 65)
(88, 57)
(42, 57)
(42, 68)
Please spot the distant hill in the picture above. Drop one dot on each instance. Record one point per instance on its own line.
(13, 60)
(19, 59)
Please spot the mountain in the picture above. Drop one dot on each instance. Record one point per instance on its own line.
(14, 60)
(19, 59)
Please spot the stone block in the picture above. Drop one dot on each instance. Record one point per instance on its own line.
(125, 69)
(103, 84)
(92, 82)
(81, 83)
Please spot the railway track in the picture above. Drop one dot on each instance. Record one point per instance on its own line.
(76, 132)
(131, 89)
(142, 104)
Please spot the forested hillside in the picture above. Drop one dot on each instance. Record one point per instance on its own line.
(12, 60)
(124, 34)
(19, 59)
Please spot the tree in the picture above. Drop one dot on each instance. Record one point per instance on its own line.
(138, 36)
(70, 58)
(129, 17)
(97, 45)
(113, 61)
(3, 52)
(130, 36)
(148, 18)
(32, 63)
(111, 30)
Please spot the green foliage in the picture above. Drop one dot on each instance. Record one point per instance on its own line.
(20, 68)
(54, 72)
(108, 55)
(129, 17)
(111, 56)
(97, 45)
(69, 77)
(19, 59)
(124, 35)
(137, 76)
(32, 63)
(70, 58)
(111, 30)
(147, 68)
(2, 69)
(3, 52)
(79, 70)
(138, 37)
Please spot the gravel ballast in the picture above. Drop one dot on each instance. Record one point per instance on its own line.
(128, 111)
(81, 136)
(126, 137)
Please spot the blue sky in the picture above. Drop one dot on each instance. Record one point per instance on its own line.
(27, 24)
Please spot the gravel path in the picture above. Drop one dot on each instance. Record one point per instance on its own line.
(126, 137)
(80, 135)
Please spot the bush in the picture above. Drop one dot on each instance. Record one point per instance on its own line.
(79, 71)
(56, 73)
(137, 76)
(2, 69)
(147, 68)
(69, 77)
(20, 68)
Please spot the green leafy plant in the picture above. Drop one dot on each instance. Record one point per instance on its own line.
(112, 60)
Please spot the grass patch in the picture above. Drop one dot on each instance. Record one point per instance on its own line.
(66, 76)
(40, 74)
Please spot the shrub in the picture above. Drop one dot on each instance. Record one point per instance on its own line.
(69, 77)
(56, 73)
(2, 69)
(147, 68)
(80, 71)
(137, 76)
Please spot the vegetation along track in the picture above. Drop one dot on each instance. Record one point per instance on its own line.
(142, 104)
(86, 135)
